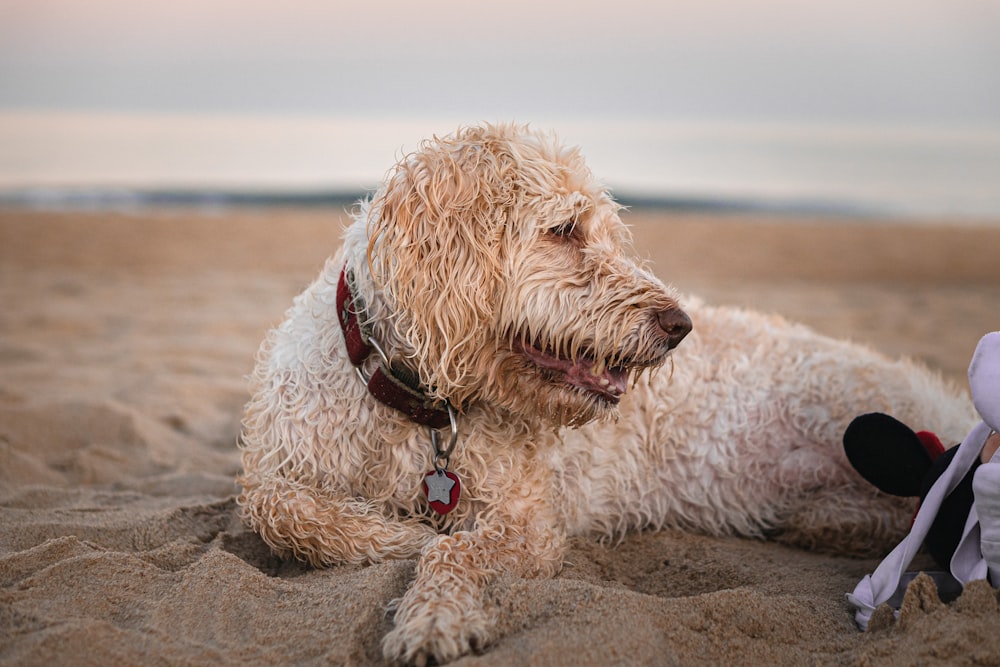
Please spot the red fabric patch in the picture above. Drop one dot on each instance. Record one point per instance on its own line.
(931, 443)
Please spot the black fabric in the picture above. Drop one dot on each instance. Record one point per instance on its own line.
(946, 531)
(887, 453)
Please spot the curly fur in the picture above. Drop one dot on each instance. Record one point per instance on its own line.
(482, 254)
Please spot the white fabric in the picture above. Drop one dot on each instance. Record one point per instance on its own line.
(966, 565)
(986, 487)
(984, 379)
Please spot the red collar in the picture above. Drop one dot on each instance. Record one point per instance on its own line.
(394, 386)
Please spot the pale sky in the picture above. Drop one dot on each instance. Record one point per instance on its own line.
(925, 61)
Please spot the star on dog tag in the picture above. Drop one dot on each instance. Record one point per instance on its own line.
(442, 489)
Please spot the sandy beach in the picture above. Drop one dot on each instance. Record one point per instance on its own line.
(124, 342)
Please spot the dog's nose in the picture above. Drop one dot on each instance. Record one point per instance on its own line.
(675, 323)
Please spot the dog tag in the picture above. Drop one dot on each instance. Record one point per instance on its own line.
(442, 489)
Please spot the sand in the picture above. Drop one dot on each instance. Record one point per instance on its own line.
(124, 340)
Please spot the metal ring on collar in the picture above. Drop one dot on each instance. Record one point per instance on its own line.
(381, 353)
(445, 454)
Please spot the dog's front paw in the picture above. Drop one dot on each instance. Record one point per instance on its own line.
(435, 632)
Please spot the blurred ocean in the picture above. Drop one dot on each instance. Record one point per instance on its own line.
(55, 160)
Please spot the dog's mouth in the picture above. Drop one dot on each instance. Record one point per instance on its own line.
(603, 379)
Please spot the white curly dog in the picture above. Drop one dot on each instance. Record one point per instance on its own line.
(473, 378)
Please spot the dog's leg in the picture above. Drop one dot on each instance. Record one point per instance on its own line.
(848, 520)
(325, 528)
(442, 615)
(830, 506)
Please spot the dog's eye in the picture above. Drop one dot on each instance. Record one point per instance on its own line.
(565, 229)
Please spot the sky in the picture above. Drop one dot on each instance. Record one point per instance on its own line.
(917, 61)
(889, 103)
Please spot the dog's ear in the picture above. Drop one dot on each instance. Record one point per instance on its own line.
(435, 248)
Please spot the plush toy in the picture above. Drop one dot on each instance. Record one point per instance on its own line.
(958, 519)
(901, 462)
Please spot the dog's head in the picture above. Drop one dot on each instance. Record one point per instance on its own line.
(506, 270)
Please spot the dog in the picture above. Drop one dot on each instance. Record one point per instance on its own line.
(485, 369)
